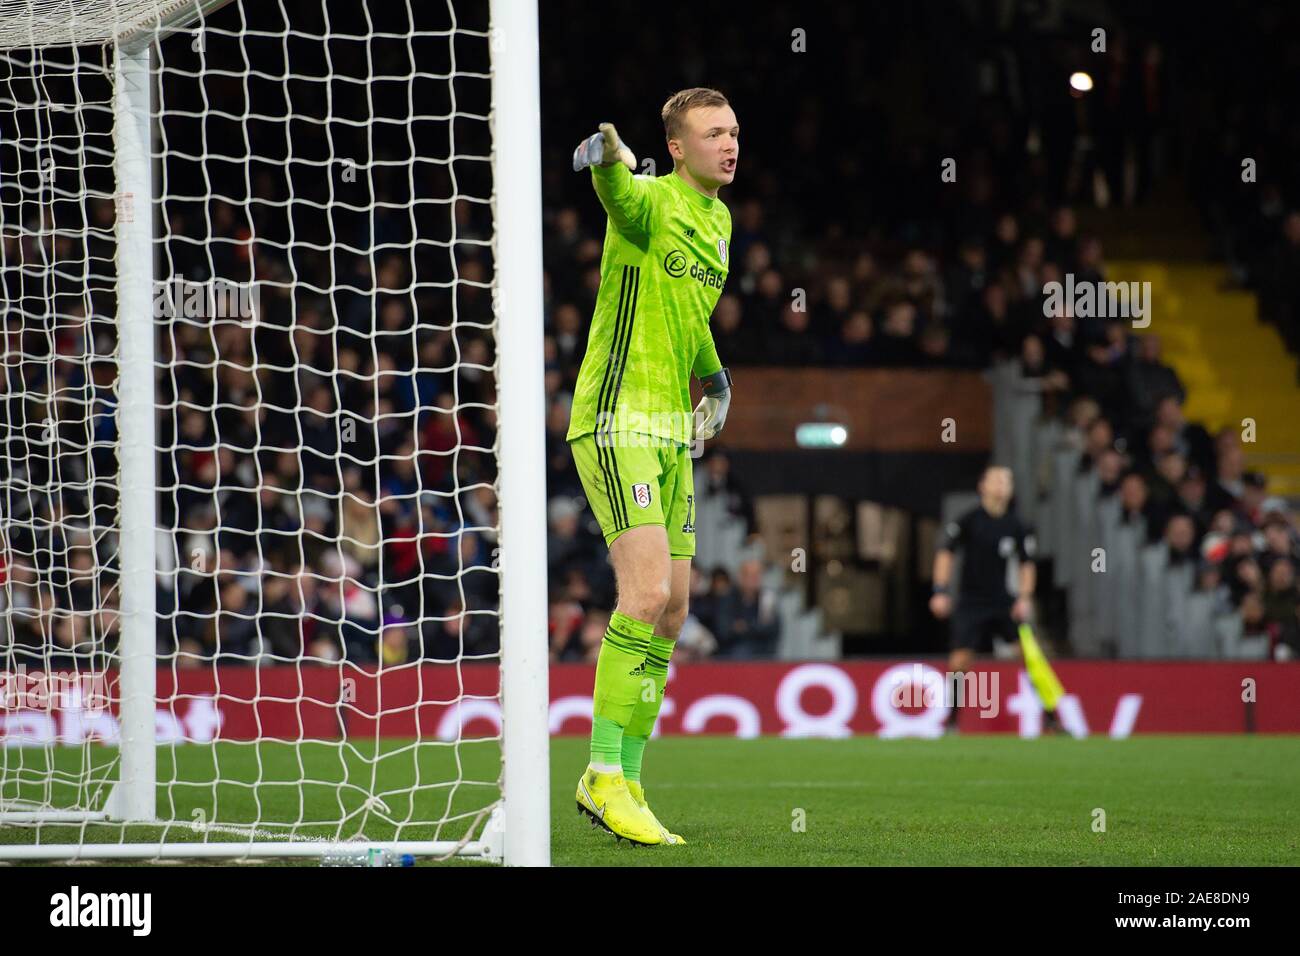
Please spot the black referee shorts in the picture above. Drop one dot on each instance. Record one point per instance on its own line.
(973, 627)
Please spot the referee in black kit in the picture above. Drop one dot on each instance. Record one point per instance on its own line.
(997, 578)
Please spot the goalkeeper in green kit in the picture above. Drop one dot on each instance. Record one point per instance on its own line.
(665, 260)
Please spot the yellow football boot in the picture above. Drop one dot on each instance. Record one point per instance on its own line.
(604, 797)
(638, 796)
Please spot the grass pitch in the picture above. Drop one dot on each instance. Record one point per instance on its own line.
(966, 801)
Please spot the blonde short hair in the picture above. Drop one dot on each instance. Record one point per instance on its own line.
(682, 102)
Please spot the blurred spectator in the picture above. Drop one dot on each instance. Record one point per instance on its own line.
(708, 595)
(1033, 366)
(1227, 488)
(717, 482)
(1281, 601)
(1063, 240)
(1190, 440)
(1135, 506)
(567, 546)
(564, 623)
(793, 340)
(1151, 382)
(593, 632)
(747, 623)
(232, 630)
(896, 346)
(280, 620)
(853, 346)
(729, 336)
(965, 281)
(1280, 540)
(1180, 537)
(455, 632)
(395, 639)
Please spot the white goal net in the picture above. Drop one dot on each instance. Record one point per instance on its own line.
(264, 409)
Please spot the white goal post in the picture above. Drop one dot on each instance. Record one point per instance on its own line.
(272, 442)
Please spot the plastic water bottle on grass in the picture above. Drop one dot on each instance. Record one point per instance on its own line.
(365, 856)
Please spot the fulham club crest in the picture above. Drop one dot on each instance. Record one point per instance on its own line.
(641, 494)
(722, 250)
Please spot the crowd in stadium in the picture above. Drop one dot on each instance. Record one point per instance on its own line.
(376, 542)
(899, 273)
(326, 470)
(980, 305)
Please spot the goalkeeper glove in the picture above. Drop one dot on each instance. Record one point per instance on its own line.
(711, 413)
(603, 149)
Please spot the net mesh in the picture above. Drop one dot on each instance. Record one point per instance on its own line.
(326, 505)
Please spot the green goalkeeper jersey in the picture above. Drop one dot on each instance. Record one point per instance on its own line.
(666, 257)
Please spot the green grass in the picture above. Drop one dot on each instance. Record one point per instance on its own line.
(214, 788)
(1177, 800)
(1203, 801)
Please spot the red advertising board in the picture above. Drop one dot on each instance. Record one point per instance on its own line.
(882, 698)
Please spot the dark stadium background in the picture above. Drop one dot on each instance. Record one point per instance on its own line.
(838, 193)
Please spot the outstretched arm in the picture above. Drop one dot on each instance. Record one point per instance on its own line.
(626, 199)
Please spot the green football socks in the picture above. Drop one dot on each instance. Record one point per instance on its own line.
(621, 673)
(649, 700)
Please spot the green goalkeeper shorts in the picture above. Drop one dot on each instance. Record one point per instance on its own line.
(634, 479)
